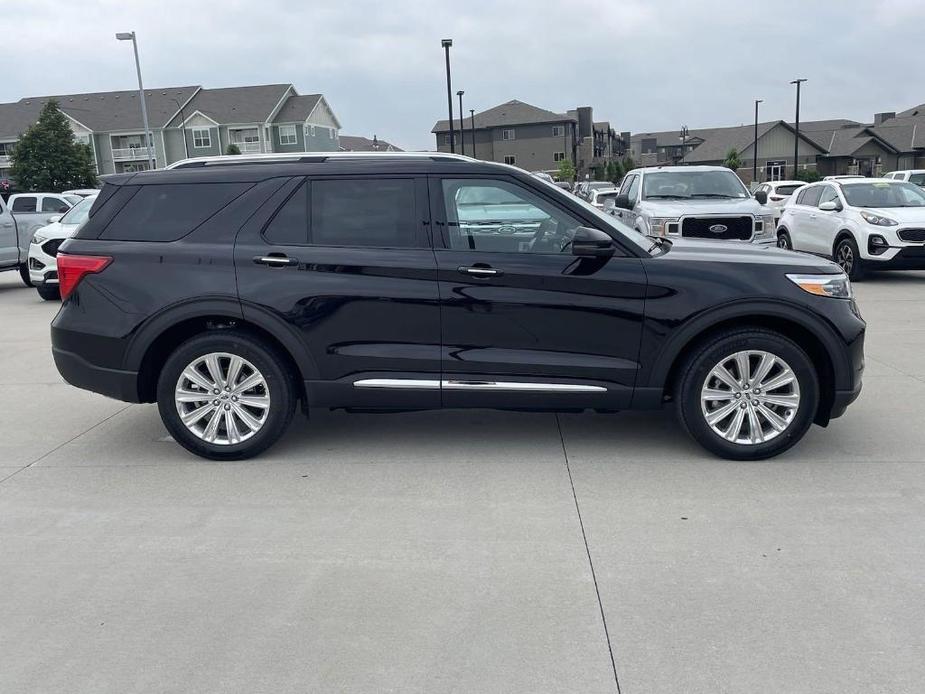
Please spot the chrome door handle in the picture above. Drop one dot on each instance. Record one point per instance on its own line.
(275, 260)
(479, 271)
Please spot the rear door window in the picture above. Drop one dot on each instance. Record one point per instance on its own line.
(24, 204)
(170, 212)
(376, 213)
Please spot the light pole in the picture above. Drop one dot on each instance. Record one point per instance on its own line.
(182, 129)
(446, 43)
(684, 133)
(796, 139)
(462, 125)
(755, 145)
(472, 130)
(130, 36)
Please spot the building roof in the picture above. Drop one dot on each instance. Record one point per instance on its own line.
(718, 141)
(912, 112)
(355, 143)
(98, 111)
(237, 104)
(297, 109)
(512, 112)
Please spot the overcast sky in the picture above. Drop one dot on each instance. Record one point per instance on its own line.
(642, 65)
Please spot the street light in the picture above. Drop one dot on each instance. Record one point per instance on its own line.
(182, 129)
(130, 36)
(446, 43)
(796, 139)
(462, 125)
(472, 130)
(755, 145)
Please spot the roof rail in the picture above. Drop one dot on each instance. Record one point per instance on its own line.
(309, 157)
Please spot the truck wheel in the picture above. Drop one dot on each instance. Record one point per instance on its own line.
(748, 394)
(24, 274)
(225, 395)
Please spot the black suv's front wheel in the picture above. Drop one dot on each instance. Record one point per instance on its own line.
(225, 395)
(748, 394)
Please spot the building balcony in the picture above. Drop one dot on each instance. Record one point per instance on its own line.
(131, 154)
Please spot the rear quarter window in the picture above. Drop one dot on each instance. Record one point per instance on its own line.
(169, 212)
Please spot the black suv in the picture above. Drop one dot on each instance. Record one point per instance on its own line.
(229, 291)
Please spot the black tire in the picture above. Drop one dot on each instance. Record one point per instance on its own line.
(847, 257)
(49, 292)
(279, 382)
(24, 275)
(783, 240)
(705, 357)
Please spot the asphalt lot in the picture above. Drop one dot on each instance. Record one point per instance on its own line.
(443, 552)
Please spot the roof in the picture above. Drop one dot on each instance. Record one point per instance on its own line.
(98, 111)
(512, 112)
(297, 109)
(355, 143)
(718, 141)
(912, 112)
(236, 104)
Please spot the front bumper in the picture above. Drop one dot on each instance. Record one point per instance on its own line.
(43, 268)
(906, 258)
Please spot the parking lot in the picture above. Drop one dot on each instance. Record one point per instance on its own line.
(461, 551)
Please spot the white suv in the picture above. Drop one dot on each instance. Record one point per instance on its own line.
(862, 224)
(43, 250)
(916, 176)
(778, 193)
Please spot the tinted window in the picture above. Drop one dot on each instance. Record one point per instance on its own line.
(918, 179)
(54, 205)
(354, 212)
(810, 196)
(290, 225)
(170, 212)
(24, 204)
(786, 190)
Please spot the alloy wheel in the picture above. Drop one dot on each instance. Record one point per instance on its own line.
(222, 398)
(845, 257)
(783, 242)
(750, 397)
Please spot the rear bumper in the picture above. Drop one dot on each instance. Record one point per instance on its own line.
(113, 383)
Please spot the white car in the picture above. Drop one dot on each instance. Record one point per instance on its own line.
(844, 177)
(778, 193)
(599, 197)
(81, 192)
(916, 176)
(867, 224)
(43, 250)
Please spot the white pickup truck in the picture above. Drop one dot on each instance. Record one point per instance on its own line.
(32, 210)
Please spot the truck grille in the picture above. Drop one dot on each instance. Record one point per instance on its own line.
(739, 228)
(912, 235)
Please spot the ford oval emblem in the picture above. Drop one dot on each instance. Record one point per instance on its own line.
(719, 228)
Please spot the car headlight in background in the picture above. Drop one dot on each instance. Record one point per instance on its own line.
(836, 286)
(878, 220)
(659, 225)
(38, 240)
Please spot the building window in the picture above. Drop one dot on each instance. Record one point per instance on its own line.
(202, 138)
(287, 135)
(311, 130)
(509, 159)
(558, 131)
(558, 156)
(507, 134)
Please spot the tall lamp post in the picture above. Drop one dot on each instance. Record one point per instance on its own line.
(472, 130)
(755, 145)
(796, 139)
(182, 129)
(130, 36)
(462, 125)
(446, 43)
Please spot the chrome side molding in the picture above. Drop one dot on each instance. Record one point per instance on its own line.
(451, 384)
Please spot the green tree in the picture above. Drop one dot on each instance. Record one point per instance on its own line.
(599, 172)
(232, 149)
(566, 171)
(615, 172)
(807, 175)
(732, 160)
(628, 164)
(47, 158)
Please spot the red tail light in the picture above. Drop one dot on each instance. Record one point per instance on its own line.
(778, 198)
(73, 268)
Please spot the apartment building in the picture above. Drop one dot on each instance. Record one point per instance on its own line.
(184, 122)
(533, 138)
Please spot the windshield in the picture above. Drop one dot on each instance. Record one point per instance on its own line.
(692, 184)
(883, 194)
(79, 212)
(600, 185)
(787, 189)
(918, 179)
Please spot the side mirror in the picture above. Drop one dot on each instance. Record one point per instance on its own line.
(762, 197)
(623, 201)
(592, 243)
(55, 218)
(830, 206)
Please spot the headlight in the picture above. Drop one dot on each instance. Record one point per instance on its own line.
(878, 220)
(659, 225)
(38, 240)
(767, 225)
(836, 286)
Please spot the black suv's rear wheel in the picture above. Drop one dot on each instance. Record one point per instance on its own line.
(748, 394)
(224, 395)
